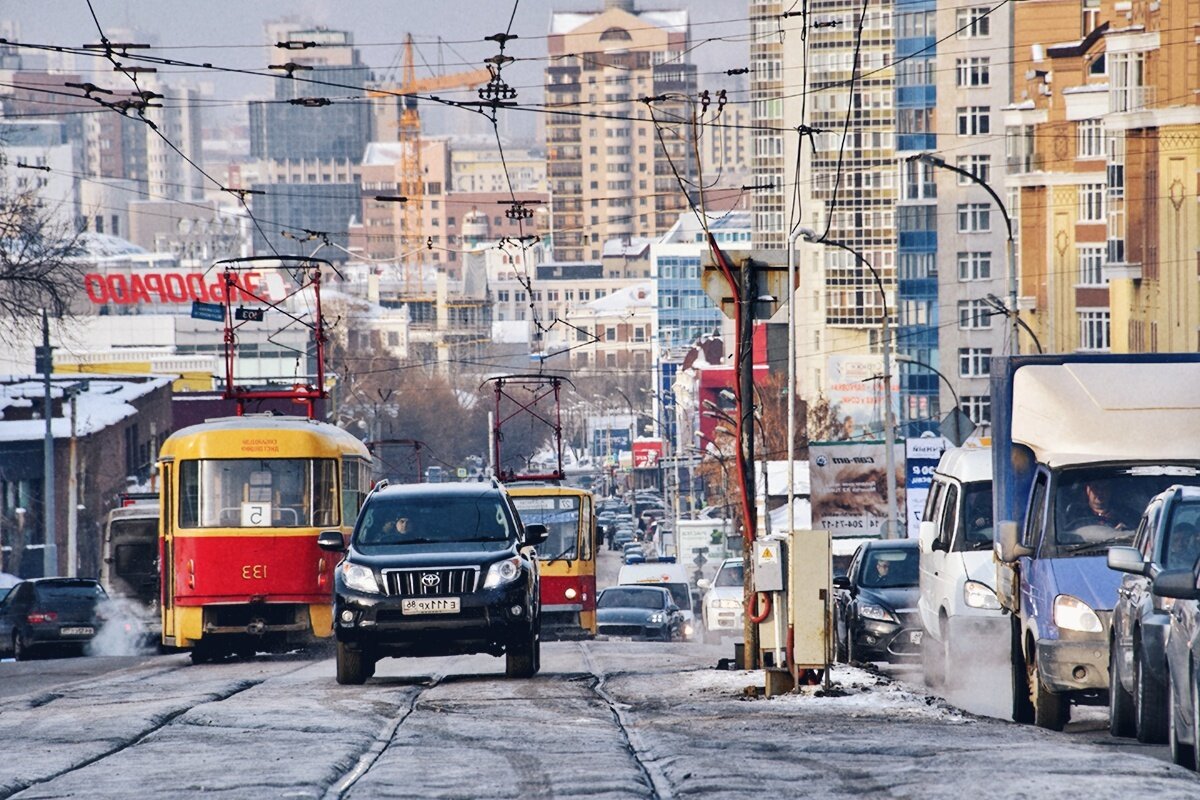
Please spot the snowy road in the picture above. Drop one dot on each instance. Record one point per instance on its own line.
(605, 719)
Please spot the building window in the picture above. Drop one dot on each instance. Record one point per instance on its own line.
(975, 266)
(974, 362)
(1089, 134)
(974, 71)
(1091, 263)
(974, 120)
(610, 334)
(978, 408)
(974, 217)
(1093, 330)
(1091, 202)
(973, 23)
(974, 315)
(639, 334)
(979, 166)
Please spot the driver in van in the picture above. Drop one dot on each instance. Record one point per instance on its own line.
(1103, 509)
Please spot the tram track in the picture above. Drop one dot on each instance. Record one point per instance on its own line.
(659, 788)
(383, 740)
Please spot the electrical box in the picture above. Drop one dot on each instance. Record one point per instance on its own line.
(768, 565)
(810, 599)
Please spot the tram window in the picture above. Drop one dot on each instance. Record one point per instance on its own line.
(560, 515)
(356, 481)
(276, 492)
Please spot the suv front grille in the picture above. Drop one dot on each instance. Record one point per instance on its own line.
(433, 582)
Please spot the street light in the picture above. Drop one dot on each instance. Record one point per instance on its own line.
(937, 161)
(910, 360)
(889, 423)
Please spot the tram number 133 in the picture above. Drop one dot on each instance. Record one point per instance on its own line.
(254, 572)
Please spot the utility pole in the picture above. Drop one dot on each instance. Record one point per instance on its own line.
(73, 494)
(45, 365)
(744, 370)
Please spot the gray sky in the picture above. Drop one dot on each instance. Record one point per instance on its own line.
(230, 32)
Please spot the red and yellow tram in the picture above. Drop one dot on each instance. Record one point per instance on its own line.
(242, 500)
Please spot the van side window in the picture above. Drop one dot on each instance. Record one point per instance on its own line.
(931, 502)
(1035, 519)
(949, 516)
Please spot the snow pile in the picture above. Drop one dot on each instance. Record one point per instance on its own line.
(854, 692)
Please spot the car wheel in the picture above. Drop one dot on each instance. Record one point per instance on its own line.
(1182, 754)
(520, 660)
(1120, 702)
(1050, 709)
(351, 666)
(931, 661)
(1148, 705)
(20, 650)
(1022, 709)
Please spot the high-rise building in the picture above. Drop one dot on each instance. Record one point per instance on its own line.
(767, 112)
(1104, 149)
(612, 170)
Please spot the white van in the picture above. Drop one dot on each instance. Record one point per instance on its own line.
(958, 606)
(674, 577)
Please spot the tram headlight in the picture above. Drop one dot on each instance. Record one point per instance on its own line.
(503, 572)
(570, 594)
(359, 578)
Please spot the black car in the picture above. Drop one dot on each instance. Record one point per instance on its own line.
(640, 612)
(436, 570)
(876, 603)
(47, 615)
(1167, 538)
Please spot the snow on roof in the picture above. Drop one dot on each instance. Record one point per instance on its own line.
(568, 21)
(510, 331)
(637, 246)
(639, 295)
(383, 153)
(101, 404)
(103, 245)
(1086, 88)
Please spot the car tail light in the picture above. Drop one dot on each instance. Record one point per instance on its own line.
(41, 617)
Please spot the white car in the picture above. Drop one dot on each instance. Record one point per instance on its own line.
(722, 607)
(959, 610)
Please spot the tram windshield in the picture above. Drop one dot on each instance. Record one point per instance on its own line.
(560, 515)
(258, 493)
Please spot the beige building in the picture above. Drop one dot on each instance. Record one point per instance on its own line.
(615, 331)
(481, 169)
(609, 174)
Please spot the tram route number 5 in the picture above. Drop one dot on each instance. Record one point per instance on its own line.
(256, 515)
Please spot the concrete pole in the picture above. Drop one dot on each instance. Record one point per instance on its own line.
(50, 551)
(791, 380)
(73, 497)
(889, 425)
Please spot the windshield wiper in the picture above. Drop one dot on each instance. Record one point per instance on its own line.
(560, 555)
(1105, 543)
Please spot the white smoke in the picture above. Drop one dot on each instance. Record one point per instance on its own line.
(123, 629)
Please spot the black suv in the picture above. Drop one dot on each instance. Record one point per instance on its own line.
(436, 570)
(1167, 538)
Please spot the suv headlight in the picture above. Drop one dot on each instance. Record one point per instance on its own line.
(502, 572)
(1073, 614)
(359, 578)
(880, 613)
(980, 595)
(657, 618)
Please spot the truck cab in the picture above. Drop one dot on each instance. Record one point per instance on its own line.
(1080, 446)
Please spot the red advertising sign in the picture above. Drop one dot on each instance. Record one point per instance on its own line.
(178, 287)
(646, 453)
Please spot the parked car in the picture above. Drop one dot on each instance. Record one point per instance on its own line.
(1168, 537)
(436, 570)
(1183, 663)
(722, 609)
(875, 603)
(960, 613)
(47, 615)
(640, 612)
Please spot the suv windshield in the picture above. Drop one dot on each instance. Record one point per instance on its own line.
(1181, 545)
(389, 522)
(1099, 507)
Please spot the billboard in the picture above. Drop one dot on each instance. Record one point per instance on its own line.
(647, 453)
(921, 456)
(849, 487)
(855, 389)
(606, 441)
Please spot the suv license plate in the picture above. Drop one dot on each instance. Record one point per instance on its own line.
(430, 605)
(81, 631)
(915, 636)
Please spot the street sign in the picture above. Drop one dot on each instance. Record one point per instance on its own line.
(957, 426)
(214, 312)
(248, 314)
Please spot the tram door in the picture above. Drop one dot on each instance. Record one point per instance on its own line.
(166, 555)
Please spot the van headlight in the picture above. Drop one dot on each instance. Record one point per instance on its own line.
(980, 595)
(502, 572)
(1072, 614)
(359, 578)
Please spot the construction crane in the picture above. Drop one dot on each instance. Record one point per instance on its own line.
(412, 184)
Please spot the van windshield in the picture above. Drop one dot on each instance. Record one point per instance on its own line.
(975, 527)
(1099, 507)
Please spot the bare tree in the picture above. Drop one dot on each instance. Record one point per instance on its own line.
(39, 264)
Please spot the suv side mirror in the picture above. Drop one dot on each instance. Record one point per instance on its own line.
(331, 541)
(1126, 559)
(1178, 583)
(841, 582)
(1008, 546)
(535, 534)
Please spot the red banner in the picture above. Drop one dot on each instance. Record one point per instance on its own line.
(172, 287)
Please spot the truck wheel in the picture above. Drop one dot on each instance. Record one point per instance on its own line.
(1182, 754)
(1120, 702)
(521, 659)
(1050, 709)
(1149, 703)
(1022, 709)
(351, 669)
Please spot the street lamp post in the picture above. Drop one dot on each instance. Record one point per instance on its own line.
(910, 360)
(889, 422)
